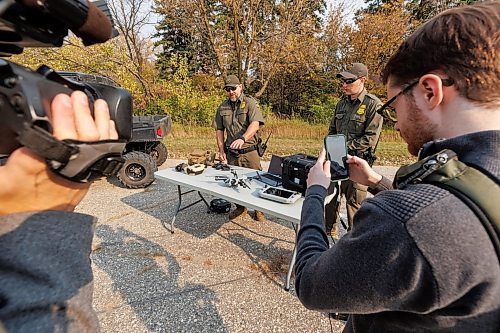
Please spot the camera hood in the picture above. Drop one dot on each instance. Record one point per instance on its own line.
(45, 23)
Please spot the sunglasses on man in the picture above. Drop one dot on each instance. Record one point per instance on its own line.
(228, 89)
(387, 111)
(349, 80)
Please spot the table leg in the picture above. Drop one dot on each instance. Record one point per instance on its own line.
(178, 208)
(292, 261)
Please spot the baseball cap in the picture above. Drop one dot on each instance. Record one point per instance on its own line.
(231, 81)
(356, 71)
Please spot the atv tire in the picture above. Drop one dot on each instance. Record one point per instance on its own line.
(159, 153)
(138, 171)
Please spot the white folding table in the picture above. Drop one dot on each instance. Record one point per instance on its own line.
(205, 183)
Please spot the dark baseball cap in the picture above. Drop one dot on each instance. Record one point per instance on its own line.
(356, 71)
(231, 81)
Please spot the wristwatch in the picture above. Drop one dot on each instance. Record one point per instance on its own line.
(242, 138)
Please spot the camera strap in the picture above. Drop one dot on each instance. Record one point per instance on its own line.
(72, 159)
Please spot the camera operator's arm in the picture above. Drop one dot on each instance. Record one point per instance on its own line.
(45, 273)
(360, 172)
(27, 184)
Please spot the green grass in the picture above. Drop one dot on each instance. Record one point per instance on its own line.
(289, 137)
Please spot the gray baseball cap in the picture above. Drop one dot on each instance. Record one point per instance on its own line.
(231, 81)
(356, 71)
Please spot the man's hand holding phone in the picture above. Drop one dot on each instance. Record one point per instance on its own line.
(361, 172)
(319, 174)
(27, 184)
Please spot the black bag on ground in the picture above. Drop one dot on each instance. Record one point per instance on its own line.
(220, 206)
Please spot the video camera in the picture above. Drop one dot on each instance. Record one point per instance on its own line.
(26, 96)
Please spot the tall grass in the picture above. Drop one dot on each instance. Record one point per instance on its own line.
(289, 136)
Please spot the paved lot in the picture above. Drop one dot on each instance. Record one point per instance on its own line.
(212, 275)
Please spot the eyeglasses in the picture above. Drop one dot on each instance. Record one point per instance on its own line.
(228, 89)
(349, 81)
(389, 112)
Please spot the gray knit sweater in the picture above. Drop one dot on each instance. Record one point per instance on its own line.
(45, 273)
(416, 260)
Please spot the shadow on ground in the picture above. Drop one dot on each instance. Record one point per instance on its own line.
(146, 276)
(269, 260)
(162, 201)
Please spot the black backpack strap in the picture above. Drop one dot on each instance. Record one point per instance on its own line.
(477, 190)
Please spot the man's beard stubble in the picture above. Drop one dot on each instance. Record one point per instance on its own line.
(419, 130)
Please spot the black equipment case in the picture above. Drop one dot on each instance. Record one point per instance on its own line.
(295, 170)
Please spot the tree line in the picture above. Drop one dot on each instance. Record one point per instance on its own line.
(285, 52)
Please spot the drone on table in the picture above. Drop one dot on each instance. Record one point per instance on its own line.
(234, 180)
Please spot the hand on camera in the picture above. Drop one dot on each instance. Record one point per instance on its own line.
(27, 184)
(319, 174)
(360, 172)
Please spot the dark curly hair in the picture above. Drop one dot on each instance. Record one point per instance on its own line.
(462, 42)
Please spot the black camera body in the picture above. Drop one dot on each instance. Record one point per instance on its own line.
(26, 95)
(25, 98)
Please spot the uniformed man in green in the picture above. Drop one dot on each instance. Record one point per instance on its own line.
(356, 117)
(240, 117)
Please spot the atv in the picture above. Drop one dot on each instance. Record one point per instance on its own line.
(145, 151)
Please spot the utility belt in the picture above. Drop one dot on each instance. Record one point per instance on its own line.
(237, 152)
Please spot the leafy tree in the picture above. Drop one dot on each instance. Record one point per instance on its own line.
(241, 36)
(378, 35)
(422, 10)
(108, 59)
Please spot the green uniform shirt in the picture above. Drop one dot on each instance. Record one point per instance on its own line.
(236, 117)
(358, 121)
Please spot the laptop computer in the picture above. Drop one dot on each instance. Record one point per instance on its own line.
(273, 175)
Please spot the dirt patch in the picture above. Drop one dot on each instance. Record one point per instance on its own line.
(275, 265)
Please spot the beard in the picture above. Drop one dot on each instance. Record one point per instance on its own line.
(418, 129)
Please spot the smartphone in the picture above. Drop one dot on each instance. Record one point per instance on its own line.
(336, 153)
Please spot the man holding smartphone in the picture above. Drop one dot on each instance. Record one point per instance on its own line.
(357, 119)
(419, 258)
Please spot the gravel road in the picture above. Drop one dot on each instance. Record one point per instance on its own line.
(211, 275)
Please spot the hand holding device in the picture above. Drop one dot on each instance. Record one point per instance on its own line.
(26, 182)
(361, 172)
(319, 174)
(336, 153)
